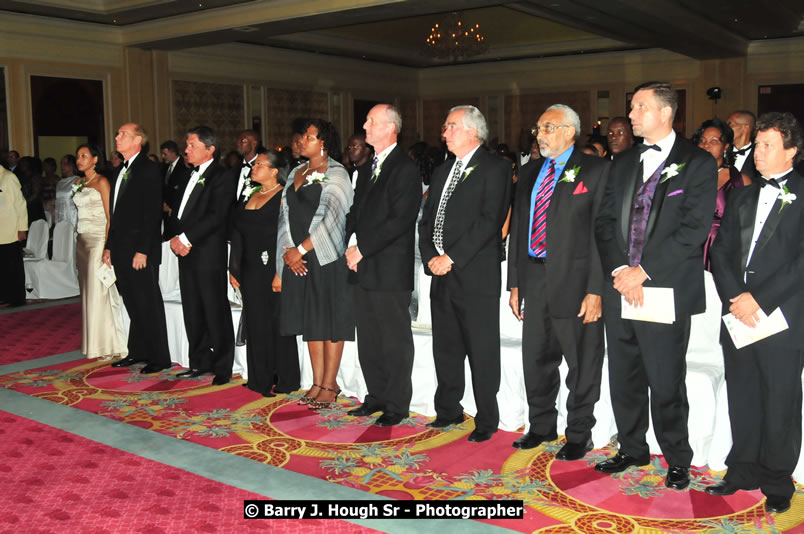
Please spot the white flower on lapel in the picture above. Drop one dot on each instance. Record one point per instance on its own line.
(671, 170)
(202, 182)
(250, 189)
(316, 177)
(125, 175)
(467, 172)
(786, 197)
(570, 174)
(77, 187)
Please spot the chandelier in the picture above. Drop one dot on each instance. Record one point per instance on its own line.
(454, 40)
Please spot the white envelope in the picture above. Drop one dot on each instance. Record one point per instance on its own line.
(768, 325)
(658, 306)
(106, 275)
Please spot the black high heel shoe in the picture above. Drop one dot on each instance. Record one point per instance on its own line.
(307, 399)
(318, 405)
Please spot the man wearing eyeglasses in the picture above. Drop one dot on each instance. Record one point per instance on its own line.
(655, 215)
(556, 281)
(460, 239)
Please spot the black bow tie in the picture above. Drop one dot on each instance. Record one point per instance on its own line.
(246, 164)
(196, 169)
(772, 182)
(125, 165)
(644, 148)
(743, 151)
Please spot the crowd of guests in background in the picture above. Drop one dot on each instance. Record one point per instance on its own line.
(324, 242)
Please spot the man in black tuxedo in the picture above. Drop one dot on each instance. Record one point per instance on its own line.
(556, 281)
(653, 220)
(744, 124)
(758, 265)
(460, 241)
(176, 176)
(134, 248)
(382, 224)
(247, 144)
(198, 228)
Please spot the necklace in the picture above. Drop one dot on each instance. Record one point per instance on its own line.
(266, 191)
(87, 179)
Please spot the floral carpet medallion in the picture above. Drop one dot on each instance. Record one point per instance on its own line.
(406, 461)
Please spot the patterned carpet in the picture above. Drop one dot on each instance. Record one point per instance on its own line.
(26, 335)
(55, 481)
(408, 461)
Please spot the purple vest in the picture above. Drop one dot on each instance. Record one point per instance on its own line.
(640, 211)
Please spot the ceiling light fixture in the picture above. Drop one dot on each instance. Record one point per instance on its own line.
(453, 40)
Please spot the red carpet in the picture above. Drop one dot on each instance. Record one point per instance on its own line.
(26, 335)
(54, 481)
(407, 461)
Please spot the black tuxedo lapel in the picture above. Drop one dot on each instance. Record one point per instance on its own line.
(748, 214)
(474, 161)
(774, 218)
(675, 156)
(630, 185)
(198, 189)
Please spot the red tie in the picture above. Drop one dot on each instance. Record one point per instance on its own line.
(538, 232)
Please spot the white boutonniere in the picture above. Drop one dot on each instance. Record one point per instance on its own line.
(467, 172)
(786, 197)
(251, 189)
(124, 177)
(570, 174)
(77, 187)
(316, 177)
(670, 171)
(202, 182)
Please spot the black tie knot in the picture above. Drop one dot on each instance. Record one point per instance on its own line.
(125, 165)
(773, 182)
(644, 148)
(743, 151)
(245, 164)
(196, 169)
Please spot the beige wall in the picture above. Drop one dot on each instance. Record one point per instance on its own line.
(138, 84)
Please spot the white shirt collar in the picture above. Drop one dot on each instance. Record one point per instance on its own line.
(468, 157)
(203, 167)
(131, 159)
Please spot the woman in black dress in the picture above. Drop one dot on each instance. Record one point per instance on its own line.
(273, 359)
(316, 301)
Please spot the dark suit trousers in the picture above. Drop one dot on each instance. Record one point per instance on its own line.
(646, 355)
(467, 325)
(385, 348)
(544, 340)
(12, 274)
(147, 336)
(764, 390)
(207, 319)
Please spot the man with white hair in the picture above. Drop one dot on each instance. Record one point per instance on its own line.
(382, 224)
(461, 245)
(556, 282)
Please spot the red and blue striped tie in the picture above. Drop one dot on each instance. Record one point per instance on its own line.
(538, 232)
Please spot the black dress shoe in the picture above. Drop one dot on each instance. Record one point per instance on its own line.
(220, 380)
(478, 435)
(443, 422)
(532, 440)
(574, 451)
(724, 487)
(193, 373)
(776, 504)
(619, 463)
(128, 361)
(360, 411)
(678, 477)
(153, 368)
(389, 419)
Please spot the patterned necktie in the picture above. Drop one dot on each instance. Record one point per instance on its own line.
(375, 168)
(538, 232)
(438, 228)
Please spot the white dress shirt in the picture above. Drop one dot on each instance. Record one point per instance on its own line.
(380, 160)
(767, 198)
(119, 176)
(194, 177)
(241, 182)
(739, 159)
(651, 159)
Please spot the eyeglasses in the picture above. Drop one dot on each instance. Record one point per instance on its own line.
(547, 128)
(261, 164)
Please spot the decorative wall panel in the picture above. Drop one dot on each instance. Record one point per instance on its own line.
(283, 106)
(217, 105)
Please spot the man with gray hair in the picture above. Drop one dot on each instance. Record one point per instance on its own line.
(382, 224)
(198, 227)
(556, 282)
(461, 245)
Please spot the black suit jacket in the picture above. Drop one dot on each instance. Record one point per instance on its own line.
(174, 188)
(774, 275)
(205, 218)
(573, 267)
(679, 221)
(473, 222)
(136, 219)
(383, 217)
